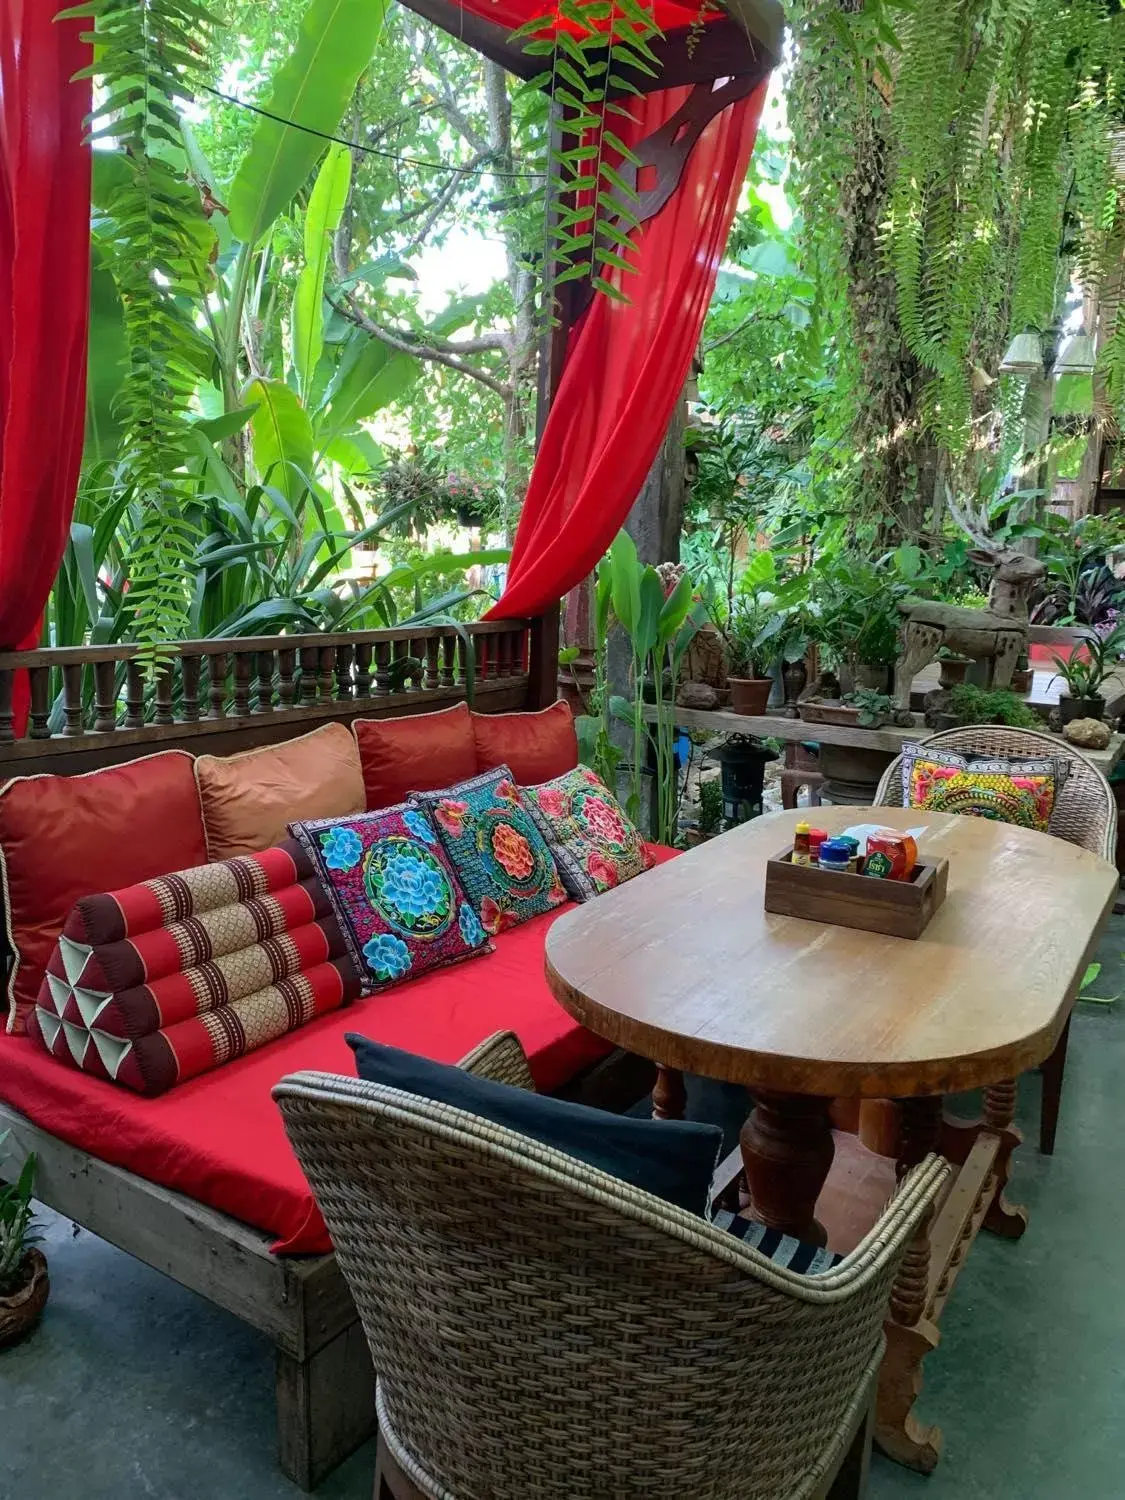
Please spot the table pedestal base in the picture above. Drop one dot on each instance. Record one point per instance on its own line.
(787, 1150)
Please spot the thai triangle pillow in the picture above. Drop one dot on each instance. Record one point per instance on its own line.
(150, 985)
(593, 843)
(395, 893)
(1022, 792)
(498, 852)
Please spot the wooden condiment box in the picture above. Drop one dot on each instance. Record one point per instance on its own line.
(898, 908)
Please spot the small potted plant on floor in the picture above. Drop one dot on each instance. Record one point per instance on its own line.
(1085, 672)
(23, 1269)
(750, 653)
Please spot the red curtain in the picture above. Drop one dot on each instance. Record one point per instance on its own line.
(626, 365)
(44, 303)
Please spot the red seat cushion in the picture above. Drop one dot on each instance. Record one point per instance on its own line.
(414, 753)
(219, 1138)
(64, 837)
(536, 747)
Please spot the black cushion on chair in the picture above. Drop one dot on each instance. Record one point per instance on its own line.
(673, 1159)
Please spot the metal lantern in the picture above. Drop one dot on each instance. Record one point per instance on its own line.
(743, 765)
(1024, 355)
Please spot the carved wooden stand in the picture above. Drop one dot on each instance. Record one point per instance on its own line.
(982, 1150)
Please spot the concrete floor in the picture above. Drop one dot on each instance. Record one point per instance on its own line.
(134, 1387)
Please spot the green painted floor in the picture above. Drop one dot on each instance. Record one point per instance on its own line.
(133, 1387)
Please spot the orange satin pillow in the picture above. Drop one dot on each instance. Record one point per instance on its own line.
(63, 837)
(536, 747)
(250, 798)
(414, 753)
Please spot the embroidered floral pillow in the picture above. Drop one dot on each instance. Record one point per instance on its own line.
(1008, 791)
(499, 854)
(594, 844)
(397, 897)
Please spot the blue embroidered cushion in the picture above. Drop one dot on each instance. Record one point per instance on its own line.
(396, 895)
(497, 851)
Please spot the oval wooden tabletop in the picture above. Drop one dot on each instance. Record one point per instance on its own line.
(684, 966)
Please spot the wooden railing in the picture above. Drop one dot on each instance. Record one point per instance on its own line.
(97, 704)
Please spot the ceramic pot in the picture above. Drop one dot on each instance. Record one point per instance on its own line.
(20, 1311)
(953, 673)
(1080, 708)
(750, 695)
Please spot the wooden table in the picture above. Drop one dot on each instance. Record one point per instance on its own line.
(685, 967)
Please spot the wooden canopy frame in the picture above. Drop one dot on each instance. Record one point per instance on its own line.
(223, 696)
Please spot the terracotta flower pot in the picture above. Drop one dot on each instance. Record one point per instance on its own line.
(20, 1311)
(749, 695)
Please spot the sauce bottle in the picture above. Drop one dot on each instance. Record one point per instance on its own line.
(801, 854)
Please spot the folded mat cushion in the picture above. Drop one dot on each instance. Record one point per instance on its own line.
(219, 1138)
(150, 985)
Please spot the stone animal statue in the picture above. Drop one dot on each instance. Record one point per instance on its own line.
(997, 634)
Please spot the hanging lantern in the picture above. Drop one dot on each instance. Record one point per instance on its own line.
(1024, 355)
(1077, 356)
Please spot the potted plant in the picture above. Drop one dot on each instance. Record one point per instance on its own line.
(23, 1269)
(710, 820)
(968, 704)
(953, 667)
(857, 617)
(1085, 672)
(750, 653)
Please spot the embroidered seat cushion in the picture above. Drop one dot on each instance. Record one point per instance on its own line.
(1022, 792)
(593, 843)
(534, 746)
(500, 856)
(154, 984)
(394, 891)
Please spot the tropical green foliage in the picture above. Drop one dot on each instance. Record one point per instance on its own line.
(17, 1225)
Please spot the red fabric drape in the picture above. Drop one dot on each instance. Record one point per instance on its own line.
(44, 303)
(626, 365)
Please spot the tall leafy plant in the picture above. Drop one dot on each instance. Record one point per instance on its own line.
(659, 629)
(149, 59)
(594, 50)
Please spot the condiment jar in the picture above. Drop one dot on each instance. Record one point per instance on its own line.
(801, 844)
(817, 837)
(835, 855)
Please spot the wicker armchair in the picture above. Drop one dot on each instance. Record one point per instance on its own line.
(1085, 814)
(543, 1331)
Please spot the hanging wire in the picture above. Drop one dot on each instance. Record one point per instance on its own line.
(410, 161)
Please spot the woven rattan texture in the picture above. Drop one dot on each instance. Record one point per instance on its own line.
(1085, 812)
(545, 1332)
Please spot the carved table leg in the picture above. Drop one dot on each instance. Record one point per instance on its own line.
(1003, 1218)
(910, 1337)
(669, 1097)
(787, 1149)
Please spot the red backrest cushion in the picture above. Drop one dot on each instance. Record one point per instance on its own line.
(414, 753)
(536, 747)
(64, 837)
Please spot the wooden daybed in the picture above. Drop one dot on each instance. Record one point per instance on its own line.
(224, 696)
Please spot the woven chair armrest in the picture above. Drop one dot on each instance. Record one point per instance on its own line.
(470, 1132)
(501, 1058)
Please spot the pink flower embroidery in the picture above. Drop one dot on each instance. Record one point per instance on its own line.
(506, 791)
(493, 918)
(604, 821)
(601, 871)
(551, 801)
(452, 815)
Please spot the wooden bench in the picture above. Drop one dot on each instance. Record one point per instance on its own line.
(257, 691)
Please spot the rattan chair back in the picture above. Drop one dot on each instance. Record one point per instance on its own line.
(1085, 811)
(543, 1331)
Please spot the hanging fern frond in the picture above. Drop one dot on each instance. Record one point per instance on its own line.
(149, 56)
